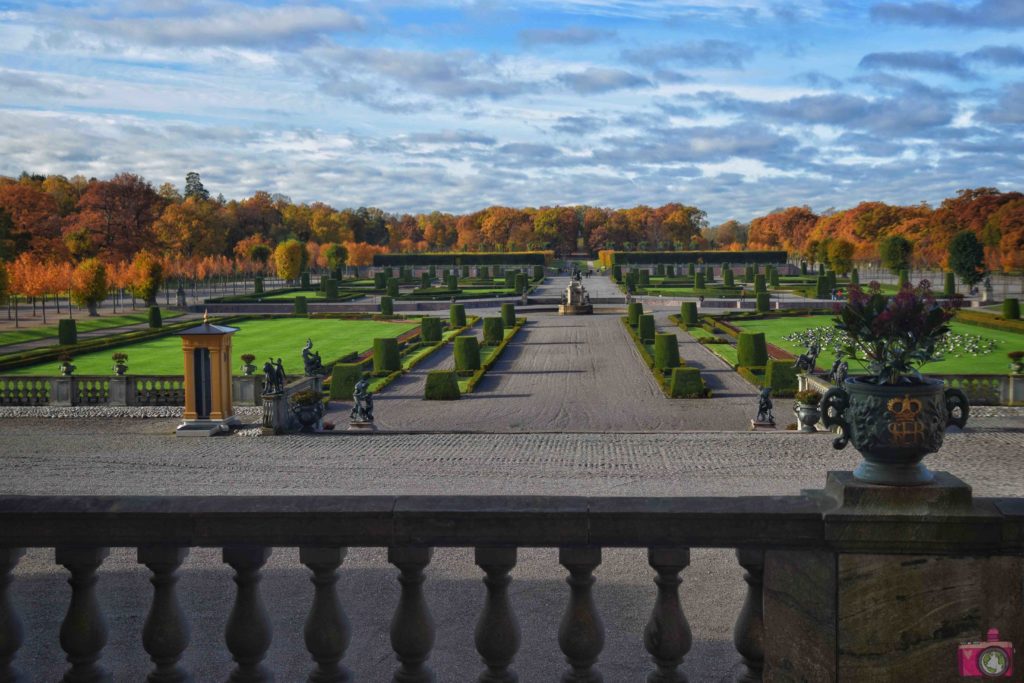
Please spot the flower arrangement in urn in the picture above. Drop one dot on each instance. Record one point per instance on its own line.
(1016, 362)
(806, 409)
(66, 368)
(308, 408)
(894, 415)
(120, 359)
(247, 364)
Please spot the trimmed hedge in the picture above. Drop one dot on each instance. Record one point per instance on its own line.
(304, 280)
(803, 267)
(709, 274)
(748, 274)
(387, 305)
(780, 375)
(380, 280)
(633, 313)
(508, 315)
(698, 280)
(751, 349)
(156, 321)
(392, 287)
(331, 289)
(855, 277)
(520, 283)
(386, 358)
(617, 273)
(686, 383)
(773, 277)
(1011, 308)
(645, 277)
(645, 327)
(457, 315)
(821, 290)
(494, 331)
(688, 312)
(442, 385)
(67, 332)
(666, 351)
(538, 272)
(257, 285)
(903, 280)
(763, 304)
(425, 281)
(728, 279)
(759, 284)
(300, 306)
(467, 354)
(430, 329)
(486, 258)
(691, 269)
(646, 257)
(948, 285)
(343, 380)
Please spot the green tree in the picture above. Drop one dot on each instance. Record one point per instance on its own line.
(895, 252)
(967, 257)
(336, 255)
(194, 187)
(840, 256)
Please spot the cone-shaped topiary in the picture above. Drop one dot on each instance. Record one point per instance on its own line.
(645, 327)
(387, 305)
(748, 274)
(773, 277)
(666, 351)
(156, 321)
(67, 331)
(1011, 308)
(494, 331)
(300, 306)
(686, 383)
(343, 380)
(392, 287)
(633, 313)
(457, 315)
(442, 385)
(698, 280)
(508, 315)
(257, 285)
(728, 279)
(762, 304)
(821, 287)
(386, 358)
(751, 350)
(688, 312)
(467, 354)
(430, 329)
(759, 285)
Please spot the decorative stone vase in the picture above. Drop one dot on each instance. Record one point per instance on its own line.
(120, 369)
(808, 416)
(248, 369)
(893, 426)
(1017, 367)
(308, 415)
(66, 369)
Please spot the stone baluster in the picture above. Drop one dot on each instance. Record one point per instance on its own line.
(248, 631)
(581, 633)
(83, 632)
(11, 633)
(667, 636)
(327, 629)
(412, 627)
(749, 632)
(166, 633)
(497, 632)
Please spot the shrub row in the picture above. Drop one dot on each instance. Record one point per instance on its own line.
(692, 257)
(670, 372)
(517, 258)
(990, 321)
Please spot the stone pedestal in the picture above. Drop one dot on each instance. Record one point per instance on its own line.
(758, 424)
(361, 426)
(277, 417)
(122, 391)
(62, 391)
(889, 601)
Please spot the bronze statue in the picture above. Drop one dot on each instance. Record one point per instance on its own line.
(362, 407)
(311, 361)
(764, 407)
(273, 377)
(840, 369)
(806, 362)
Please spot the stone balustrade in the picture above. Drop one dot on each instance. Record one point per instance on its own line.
(981, 390)
(113, 390)
(800, 620)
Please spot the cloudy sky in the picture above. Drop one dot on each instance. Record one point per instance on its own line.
(737, 107)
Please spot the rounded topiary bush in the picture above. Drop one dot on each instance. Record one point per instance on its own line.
(728, 279)
(759, 284)
(751, 350)
(257, 285)
(666, 351)
(380, 281)
(467, 354)
(494, 331)
(392, 287)
(430, 329)
(633, 313)
(762, 304)
(698, 280)
(300, 306)
(387, 305)
(1011, 308)
(442, 385)
(67, 331)
(457, 315)
(688, 312)
(645, 327)
(508, 315)
(386, 358)
(156, 321)
(686, 383)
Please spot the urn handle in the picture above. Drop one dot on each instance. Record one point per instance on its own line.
(833, 404)
(956, 400)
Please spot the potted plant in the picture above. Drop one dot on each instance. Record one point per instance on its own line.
(806, 409)
(120, 359)
(308, 408)
(894, 416)
(1016, 362)
(247, 366)
(65, 367)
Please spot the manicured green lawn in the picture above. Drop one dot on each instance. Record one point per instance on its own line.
(690, 291)
(289, 296)
(277, 338)
(84, 325)
(994, 362)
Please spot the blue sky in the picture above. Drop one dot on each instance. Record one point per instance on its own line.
(736, 107)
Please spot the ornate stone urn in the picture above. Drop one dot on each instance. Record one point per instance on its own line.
(893, 426)
(120, 369)
(808, 416)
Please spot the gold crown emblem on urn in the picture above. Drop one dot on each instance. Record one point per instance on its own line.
(905, 428)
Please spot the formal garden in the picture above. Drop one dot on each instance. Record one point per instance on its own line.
(50, 332)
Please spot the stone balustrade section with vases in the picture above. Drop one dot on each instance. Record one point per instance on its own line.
(820, 571)
(113, 390)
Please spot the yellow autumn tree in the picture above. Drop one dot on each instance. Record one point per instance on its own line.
(89, 284)
(288, 259)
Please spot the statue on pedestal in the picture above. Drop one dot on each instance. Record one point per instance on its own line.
(840, 369)
(806, 362)
(273, 377)
(311, 361)
(362, 408)
(764, 408)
